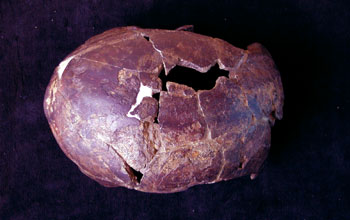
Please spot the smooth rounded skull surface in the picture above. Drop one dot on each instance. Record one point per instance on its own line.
(117, 113)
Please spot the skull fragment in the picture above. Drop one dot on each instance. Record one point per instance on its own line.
(119, 116)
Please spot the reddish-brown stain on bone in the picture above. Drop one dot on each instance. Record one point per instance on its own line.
(101, 111)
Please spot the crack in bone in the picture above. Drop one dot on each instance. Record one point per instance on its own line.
(107, 64)
(86, 171)
(89, 46)
(223, 163)
(62, 66)
(201, 109)
(159, 51)
(129, 169)
(144, 91)
(242, 60)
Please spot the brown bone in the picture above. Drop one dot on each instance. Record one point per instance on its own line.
(102, 109)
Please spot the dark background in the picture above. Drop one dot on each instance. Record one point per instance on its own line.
(306, 175)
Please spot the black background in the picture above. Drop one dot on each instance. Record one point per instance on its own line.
(306, 175)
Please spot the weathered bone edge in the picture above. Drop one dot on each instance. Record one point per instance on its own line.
(200, 137)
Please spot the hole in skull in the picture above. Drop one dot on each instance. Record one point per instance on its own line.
(146, 37)
(193, 78)
(272, 118)
(156, 96)
(241, 163)
(135, 175)
(156, 120)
